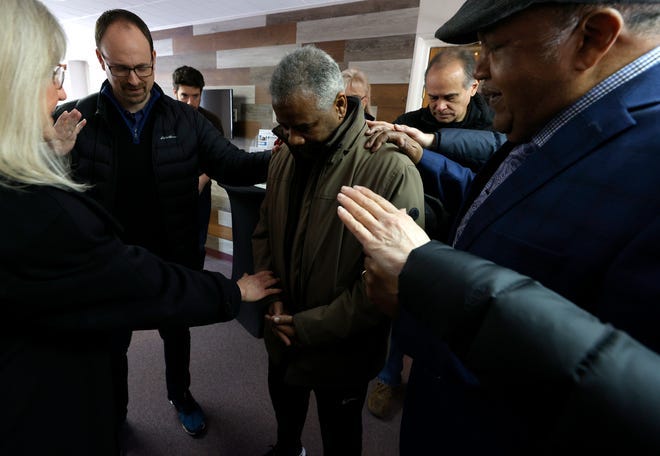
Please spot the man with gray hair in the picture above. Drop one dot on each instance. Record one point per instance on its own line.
(322, 333)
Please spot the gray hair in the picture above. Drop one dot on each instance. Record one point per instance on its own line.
(641, 19)
(308, 70)
(31, 44)
(353, 77)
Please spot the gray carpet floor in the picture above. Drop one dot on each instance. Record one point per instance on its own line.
(228, 371)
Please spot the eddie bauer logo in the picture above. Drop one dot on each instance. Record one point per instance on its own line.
(162, 138)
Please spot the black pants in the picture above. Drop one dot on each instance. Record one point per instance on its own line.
(339, 410)
(176, 341)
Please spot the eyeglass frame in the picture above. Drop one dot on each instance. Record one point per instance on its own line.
(134, 69)
(59, 72)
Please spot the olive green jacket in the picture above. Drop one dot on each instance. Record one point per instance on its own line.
(341, 338)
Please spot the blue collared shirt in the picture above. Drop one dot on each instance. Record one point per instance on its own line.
(604, 87)
(134, 121)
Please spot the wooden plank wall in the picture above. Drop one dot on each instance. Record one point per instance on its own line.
(376, 36)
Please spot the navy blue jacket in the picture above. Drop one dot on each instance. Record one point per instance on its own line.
(594, 386)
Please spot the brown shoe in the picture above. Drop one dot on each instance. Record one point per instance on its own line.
(379, 401)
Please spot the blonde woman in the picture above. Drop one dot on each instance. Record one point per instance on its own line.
(65, 278)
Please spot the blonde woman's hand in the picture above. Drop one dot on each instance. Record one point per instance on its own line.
(67, 126)
(257, 286)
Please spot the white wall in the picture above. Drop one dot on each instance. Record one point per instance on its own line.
(77, 79)
(432, 14)
(85, 75)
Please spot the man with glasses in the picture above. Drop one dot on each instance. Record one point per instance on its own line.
(142, 152)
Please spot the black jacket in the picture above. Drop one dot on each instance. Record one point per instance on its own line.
(463, 143)
(579, 384)
(66, 283)
(183, 143)
(478, 117)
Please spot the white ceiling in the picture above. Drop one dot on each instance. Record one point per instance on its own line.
(163, 14)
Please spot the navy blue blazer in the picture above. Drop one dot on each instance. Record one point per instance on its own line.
(582, 214)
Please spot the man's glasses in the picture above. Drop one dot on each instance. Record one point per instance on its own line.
(58, 75)
(121, 71)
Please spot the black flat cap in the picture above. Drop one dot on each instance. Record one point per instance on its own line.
(476, 15)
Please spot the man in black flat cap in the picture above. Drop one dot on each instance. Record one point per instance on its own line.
(571, 200)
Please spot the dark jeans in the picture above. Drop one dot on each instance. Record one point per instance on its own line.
(176, 341)
(391, 372)
(339, 410)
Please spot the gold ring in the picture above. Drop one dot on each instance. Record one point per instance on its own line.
(276, 319)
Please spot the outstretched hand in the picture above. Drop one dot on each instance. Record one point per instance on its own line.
(67, 126)
(257, 286)
(424, 139)
(387, 234)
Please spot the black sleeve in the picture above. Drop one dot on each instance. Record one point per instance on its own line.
(73, 273)
(597, 385)
(226, 163)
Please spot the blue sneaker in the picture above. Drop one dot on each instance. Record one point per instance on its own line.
(190, 414)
